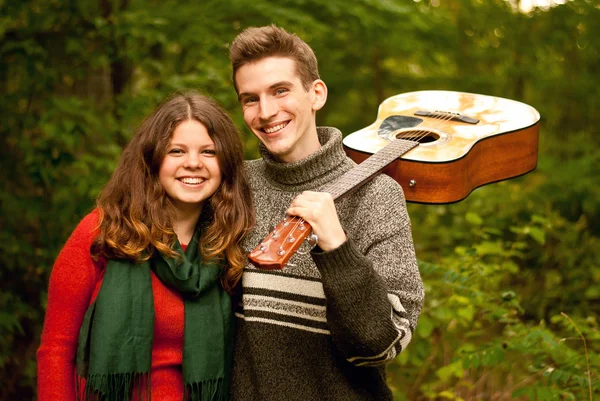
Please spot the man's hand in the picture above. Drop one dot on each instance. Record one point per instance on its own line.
(318, 210)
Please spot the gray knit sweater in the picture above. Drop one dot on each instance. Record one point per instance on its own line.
(324, 327)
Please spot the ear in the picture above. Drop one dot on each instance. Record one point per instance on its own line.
(319, 90)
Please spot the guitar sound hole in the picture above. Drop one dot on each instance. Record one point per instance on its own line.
(418, 136)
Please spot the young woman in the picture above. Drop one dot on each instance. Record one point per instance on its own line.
(139, 297)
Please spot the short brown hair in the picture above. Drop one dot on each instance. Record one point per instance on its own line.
(254, 44)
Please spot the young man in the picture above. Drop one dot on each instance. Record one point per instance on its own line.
(323, 327)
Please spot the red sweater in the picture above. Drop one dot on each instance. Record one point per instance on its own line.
(74, 284)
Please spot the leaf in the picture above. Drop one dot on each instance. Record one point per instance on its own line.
(447, 394)
(490, 248)
(425, 327)
(453, 370)
(538, 235)
(474, 219)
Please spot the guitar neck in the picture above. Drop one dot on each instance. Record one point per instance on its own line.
(279, 246)
(362, 173)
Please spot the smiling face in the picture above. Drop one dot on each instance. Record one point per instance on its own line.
(277, 108)
(190, 171)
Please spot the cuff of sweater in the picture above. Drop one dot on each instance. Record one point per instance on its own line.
(346, 258)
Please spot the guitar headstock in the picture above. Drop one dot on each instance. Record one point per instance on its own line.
(280, 245)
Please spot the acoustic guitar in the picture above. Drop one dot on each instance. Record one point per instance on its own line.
(465, 140)
(439, 145)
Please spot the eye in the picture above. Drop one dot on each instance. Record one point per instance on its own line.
(176, 151)
(281, 91)
(249, 100)
(211, 152)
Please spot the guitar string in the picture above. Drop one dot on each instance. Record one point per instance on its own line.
(413, 135)
(425, 131)
(420, 133)
(299, 222)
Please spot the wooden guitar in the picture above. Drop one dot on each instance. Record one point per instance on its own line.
(465, 141)
(439, 145)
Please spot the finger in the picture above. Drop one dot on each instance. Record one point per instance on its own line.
(315, 196)
(305, 204)
(302, 212)
(320, 197)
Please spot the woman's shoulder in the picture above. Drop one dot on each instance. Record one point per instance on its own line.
(84, 234)
(89, 226)
(75, 262)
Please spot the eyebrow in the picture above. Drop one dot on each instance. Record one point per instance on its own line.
(271, 87)
(184, 145)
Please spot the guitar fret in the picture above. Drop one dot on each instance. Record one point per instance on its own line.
(361, 173)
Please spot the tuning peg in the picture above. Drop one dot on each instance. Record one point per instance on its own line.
(312, 239)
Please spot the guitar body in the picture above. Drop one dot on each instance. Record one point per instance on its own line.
(465, 141)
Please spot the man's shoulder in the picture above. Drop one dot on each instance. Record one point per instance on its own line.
(380, 199)
(252, 163)
(254, 166)
(383, 186)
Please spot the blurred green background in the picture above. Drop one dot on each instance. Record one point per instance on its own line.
(512, 273)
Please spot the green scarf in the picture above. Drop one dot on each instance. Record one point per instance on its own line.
(115, 341)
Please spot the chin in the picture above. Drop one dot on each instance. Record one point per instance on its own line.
(278, 151)
(191, 202)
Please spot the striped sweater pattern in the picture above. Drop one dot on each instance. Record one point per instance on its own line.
(324, 326)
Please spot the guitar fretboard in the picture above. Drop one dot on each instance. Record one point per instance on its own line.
(362, 173)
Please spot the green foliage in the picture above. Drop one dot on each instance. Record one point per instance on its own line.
(492, 324)
(512, 274)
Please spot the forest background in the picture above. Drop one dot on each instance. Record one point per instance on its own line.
(512, 273)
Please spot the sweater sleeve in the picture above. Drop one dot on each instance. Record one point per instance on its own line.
(72, 283)
(372, 283)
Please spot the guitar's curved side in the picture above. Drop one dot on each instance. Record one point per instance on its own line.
(490, 160)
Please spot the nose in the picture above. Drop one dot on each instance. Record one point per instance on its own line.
(192, 161)
(268, 108)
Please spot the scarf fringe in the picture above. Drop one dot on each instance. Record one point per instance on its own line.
(208, 390)
(113, 387)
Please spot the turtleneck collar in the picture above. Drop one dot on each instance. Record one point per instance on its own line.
(317, 169)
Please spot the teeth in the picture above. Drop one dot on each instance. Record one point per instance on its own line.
(275, 128)
(192, 181)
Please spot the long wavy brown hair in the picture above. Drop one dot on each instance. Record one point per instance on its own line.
(136, 214)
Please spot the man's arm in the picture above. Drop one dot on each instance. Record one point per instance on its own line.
(371, 281)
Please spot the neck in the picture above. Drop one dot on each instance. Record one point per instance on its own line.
(314, 170)
(307, 145)
(185, 224)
